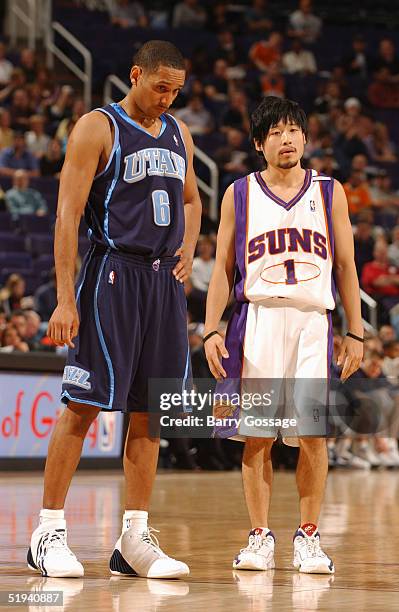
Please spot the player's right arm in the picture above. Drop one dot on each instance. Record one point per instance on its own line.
(221, 284)
(85, 148)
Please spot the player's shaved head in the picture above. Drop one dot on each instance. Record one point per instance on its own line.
(156, 53)
(270, 112)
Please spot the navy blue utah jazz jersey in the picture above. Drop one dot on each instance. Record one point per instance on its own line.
(136, 203)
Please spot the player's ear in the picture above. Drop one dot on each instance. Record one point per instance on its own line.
(135, 74)
(257, 145)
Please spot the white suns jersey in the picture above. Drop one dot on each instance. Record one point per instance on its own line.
(285, 249)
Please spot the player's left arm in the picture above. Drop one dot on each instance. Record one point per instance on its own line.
(192, 212)
(351, 351)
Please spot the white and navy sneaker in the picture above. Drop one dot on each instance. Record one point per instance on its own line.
(140, 555)
(259, 554)
(308, 556)
(49, 552)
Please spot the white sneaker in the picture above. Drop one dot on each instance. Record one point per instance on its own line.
(259, 554)
(140, 555)
(308, 556)
(49, 552)
(393, 452)
(365, 451)
(347, 459)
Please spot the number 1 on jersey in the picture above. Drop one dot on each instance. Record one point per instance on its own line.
(289, 265)
(161, 206)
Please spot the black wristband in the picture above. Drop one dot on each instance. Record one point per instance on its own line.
(212, 333)
(358, 338)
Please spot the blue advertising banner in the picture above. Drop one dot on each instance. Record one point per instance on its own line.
(29, 409)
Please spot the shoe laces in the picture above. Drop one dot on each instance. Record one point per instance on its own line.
(255, 543)
(149, 538)
(57, 538)
(313, 547)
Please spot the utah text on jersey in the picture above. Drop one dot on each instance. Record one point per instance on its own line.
(154, 162)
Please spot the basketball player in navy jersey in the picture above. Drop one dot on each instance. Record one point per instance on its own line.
(129, 167)
(283, 231)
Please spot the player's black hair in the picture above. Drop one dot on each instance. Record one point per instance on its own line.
(272, 110)
(155, 53)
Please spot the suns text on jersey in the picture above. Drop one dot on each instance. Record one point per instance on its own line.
(287, 239)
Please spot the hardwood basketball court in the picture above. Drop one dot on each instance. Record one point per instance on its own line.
(203, 521)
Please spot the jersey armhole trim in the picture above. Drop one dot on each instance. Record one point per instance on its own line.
(115, 143)
(181, 135)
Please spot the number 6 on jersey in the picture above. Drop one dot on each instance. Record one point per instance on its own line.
(161, 206)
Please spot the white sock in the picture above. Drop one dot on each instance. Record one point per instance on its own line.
(50, 515)
(136, 520)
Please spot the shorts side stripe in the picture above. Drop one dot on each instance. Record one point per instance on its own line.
(83, 401)
(84, 273)
(101, 335)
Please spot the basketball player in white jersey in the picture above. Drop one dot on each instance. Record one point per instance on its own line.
(283, 232)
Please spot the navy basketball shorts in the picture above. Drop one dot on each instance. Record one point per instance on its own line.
(133, 327)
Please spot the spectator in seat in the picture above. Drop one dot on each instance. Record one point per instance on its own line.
(20, 110)
(22, 200)
(78, 110)
(51, 163)
(126, 14)
(217, 84)
(304, 24)
(364, 245)
(236, 114)
(357, 192)
(380, 148)
(383, 91)
(387, 59)
(34, 333)
(393, 249)
(27, 60)
(357, 62)
(11, 341)
(6, 66)
(189, 14)
(12, 295)
(37, 139)
(18, 319)
(18, 157)
(380, 279)
(17, 80)
(264, 53)
(256, 17)
(6, 133)
(299, 60)
(272, 82)
(386, 333)
(195, 115)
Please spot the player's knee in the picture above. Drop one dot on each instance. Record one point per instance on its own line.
(257, 444)
(313, 444)
(79, 417)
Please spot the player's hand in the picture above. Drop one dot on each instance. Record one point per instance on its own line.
(350, 356)
(214, 350)
(182, 270)
(64, 324)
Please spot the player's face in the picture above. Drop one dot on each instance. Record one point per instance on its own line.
(284, 145)
(155, 92)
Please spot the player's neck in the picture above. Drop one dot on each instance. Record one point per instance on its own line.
(289, 177)
(134, 112)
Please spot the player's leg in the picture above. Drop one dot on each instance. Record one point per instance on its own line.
(257, 475)
(139, 462)
(312, 369)
(311, 476)
(64, 452)
(164, 355)
(49, 551)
